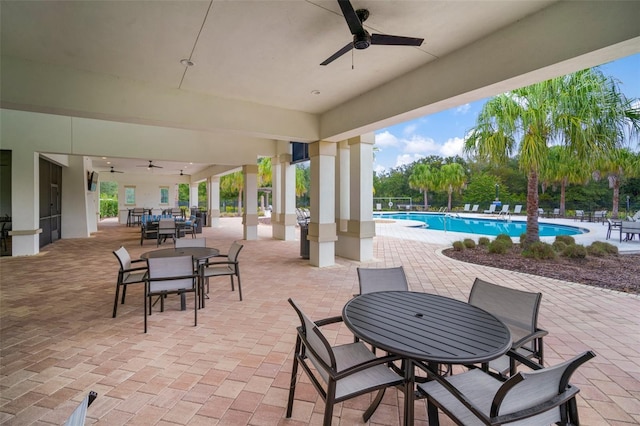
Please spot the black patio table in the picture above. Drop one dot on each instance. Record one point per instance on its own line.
(423, 327)
(198, 253)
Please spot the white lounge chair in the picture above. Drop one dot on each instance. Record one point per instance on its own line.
(467, 208)
(504, 211)
(492, 209)
(517, 209)
(475, 208)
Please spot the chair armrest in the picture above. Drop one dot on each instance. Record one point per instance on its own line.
(367, 364)
(330, 320)
(224, 262)
(556, 401)
(524, 360)
(538, 334)
(178, 277)
(139, 268)
(138, 260)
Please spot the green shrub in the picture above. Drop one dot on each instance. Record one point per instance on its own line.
(484, 241)
(523, 237)
(506, 239)
(567, 239)
(458, 246)
(539, 250)
(559, 246)
(499, 246)
(575, 251)
(469, 243)
(600, 248)
(108, 208)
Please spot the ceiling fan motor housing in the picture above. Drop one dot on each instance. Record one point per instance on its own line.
(362, 41)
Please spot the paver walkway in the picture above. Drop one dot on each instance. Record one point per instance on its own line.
(58, 340)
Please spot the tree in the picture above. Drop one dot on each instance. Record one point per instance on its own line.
(579, 111)
(451, 178)
(233, 185)
(302, 180)
(422, 178)
(264, 177)
(564, 169)
(617, 165)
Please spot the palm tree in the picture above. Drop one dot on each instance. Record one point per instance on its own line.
(581, 111)
(564, 169)
(618, 164)
(301, 181)
(264, 177)
(451, 178)
(423, 179)
(233, 183)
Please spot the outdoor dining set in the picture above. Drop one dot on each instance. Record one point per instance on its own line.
(411, 340)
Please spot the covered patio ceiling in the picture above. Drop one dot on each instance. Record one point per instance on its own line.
(256, 75)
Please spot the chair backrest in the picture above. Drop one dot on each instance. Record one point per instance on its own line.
(475, 207)
(316, 342)
(556, 211)
(234, 250)
(191, 242)
(492, 207)
(517, 208)
(505, 208)
(536, 391)
(467, 207)
(382, 279)
(636, 217)
(167, 224)
(123, 257)
(167, 267)
(579, 213)
(518, 309)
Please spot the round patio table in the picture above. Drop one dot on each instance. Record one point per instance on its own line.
(426, 328)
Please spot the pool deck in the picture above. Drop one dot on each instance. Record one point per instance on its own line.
(406, 229)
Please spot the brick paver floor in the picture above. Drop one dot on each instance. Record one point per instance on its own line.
(58, 340)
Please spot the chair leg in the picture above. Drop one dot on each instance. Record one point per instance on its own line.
(328, 403)
(115, 302)
(239, 288)
(294, 376)
(124, 292)
(232, 286)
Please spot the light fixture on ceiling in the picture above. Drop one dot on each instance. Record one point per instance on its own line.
(186, 62)
(315, 92)
(181, 174)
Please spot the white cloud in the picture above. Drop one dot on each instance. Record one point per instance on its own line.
(379, 169)
(403, 159)
(410, 129)
(420, 145)
(452, 147)
(386, 139)
(463, 109)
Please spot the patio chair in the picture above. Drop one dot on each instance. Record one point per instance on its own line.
(518, 310)
(475, 208)
(579, 215)
(372, 280)
(612, 226)
(190, 226)
(540, 397)
(338, 373)
(128, 274)
(492, 209)
(170, 275)
(556, 213)
(230, 267)
(636, 217)
(540, 212)
(467, 208)
(79, 415)
(166, 228)
(148, 230)
(504, 211)
(517, 209)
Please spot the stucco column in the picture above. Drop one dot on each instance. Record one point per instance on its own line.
(322, 227)
(193, 195)
(250, 192)
(356, 242)
(25, 225)
(342, 187)
(283, 217)
(213, 197)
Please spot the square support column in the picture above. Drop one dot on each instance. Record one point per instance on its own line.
(213, 185)
(25, 235)
(250, 191)
(356, 242)
(193, 195)
(283, 217)
(322, 227)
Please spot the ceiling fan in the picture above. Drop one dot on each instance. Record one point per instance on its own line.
(151, 165)
(361, 37)
(113, 170)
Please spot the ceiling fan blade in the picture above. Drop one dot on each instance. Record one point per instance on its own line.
(391, 40)
(339, 53)
(158, 167)
(355, 26)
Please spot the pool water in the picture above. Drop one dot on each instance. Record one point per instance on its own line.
(453, 223)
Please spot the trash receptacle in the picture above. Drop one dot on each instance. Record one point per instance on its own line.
(202, 222)
(304, 243)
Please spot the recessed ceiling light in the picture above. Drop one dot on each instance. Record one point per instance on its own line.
(315, 92)
(186, 62)
(108, 162)
(104, 158)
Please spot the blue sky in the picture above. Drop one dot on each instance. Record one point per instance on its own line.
(443, 133)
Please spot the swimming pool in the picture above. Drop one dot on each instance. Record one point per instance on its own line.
(473, 225)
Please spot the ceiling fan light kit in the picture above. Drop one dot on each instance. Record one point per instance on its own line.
(361, 37)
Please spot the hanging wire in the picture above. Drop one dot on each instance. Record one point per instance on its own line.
(195, 43)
